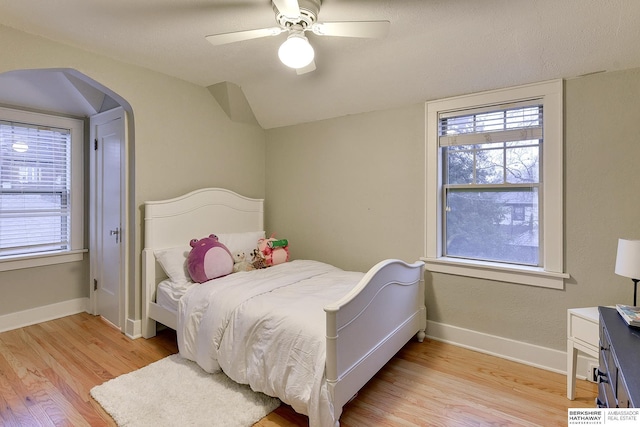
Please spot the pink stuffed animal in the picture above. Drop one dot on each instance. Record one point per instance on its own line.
(208, 259)
(274, 251)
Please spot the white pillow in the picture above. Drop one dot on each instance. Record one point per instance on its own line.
(245, 242)
(174, 262)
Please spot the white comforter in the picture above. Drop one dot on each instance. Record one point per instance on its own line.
(266, 328)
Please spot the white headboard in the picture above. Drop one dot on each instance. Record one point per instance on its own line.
(175, 222)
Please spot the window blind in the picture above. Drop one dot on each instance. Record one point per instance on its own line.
(35, 185)
(518, 122)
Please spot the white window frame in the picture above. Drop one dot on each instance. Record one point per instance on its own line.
(551, 274)
(76, 251)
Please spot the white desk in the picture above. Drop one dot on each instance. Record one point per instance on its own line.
(582, 334)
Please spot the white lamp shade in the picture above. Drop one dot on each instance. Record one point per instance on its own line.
(628, 258)
(296, 52)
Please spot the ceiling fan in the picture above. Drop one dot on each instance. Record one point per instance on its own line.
(297, 17)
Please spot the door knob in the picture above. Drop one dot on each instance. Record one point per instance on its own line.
(116, 232)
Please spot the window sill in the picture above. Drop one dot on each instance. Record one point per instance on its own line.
(19, 262)
(532, 276)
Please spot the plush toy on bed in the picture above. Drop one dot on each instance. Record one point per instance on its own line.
(208, 259)
(274, 251)
(257, 260)
(240, 262)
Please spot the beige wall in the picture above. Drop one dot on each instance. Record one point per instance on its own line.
(183, 141)
(350, 191)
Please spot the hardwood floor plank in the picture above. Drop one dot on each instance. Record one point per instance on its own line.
(55, 396)
(87, 350)
(47, 371)
(55, 371)
(68, 385)
(103, 339)
(12, 411)
(30, 387)
(451, 388)
(87, 370)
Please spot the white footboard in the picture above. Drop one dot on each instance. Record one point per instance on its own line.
(367, 327)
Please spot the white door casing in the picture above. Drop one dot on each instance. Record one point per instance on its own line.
(107, 216)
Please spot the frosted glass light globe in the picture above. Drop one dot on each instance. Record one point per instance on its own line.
(296, 52)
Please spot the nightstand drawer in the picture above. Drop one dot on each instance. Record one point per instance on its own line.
(585, 331)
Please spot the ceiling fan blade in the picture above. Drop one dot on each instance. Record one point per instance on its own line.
(238, 36)
(367, 29)
(304, 70)
(288, 8)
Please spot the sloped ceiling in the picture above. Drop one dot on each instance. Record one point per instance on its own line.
(435, 48)
(53, 91)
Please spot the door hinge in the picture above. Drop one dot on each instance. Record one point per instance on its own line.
(95, 284)
(95, 144)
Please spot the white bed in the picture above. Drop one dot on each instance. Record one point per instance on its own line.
(363, 328)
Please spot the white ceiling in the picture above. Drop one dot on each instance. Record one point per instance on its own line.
(435, 48)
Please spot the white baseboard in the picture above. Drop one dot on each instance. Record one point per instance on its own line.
(133, 328)
(42, 314)
(517, 351)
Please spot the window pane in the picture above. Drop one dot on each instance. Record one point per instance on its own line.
(523, 165)
(490, 166)
(467, 164)
(35, 173)
(460, 166)
(32, 223)
(492, 225)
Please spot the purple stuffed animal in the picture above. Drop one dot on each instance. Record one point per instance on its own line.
(208, 259)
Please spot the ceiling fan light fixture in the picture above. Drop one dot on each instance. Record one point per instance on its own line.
(296, 52)
(20, 147)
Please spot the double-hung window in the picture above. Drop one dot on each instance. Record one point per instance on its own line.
(494, 185)
(41, 212)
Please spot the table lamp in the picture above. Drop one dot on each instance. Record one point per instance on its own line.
(628, 262)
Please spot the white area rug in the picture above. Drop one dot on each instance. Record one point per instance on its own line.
(177, 392)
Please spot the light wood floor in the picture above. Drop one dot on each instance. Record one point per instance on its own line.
(47, 370)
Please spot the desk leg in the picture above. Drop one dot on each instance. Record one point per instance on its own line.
(572, 358)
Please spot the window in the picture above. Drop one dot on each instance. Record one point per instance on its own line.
(41, 212)
(490, 164)
(494, 185)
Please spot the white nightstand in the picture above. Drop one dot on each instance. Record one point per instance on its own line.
(582, 334)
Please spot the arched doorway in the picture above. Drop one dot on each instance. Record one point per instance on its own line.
(68, 92)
